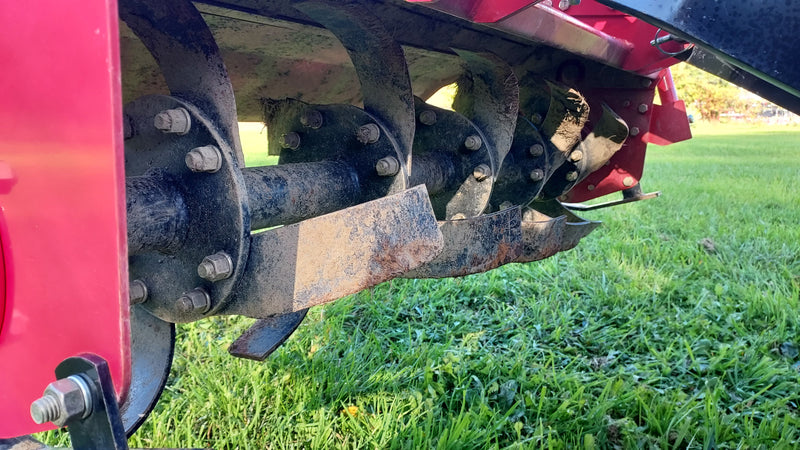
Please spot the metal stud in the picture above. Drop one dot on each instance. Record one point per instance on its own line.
(204, 159)
(427, 117)
(137, 292)
(388, 166)
(218, 266)
(312, 119)
(572, 176)
(290, 140)
(536, 150)
(473, 142)
(482, 172)
(537, 175)
(368, 134)
(195, 301)
(173, 121)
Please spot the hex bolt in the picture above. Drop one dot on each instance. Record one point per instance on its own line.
(62, 401)
(627, 181)
(537, 175)
(137, 292)
(427, 117)
(290, 140)
(218, 266)
(204, 159)
(642, 108)
(482, 172)
(473, 142)
(564, 5)
(388, 166)
(536, 150)
(312, 119)
(572, 176)
(173, 121)
(590, 187)
(576, 156)
(634, 131)
(368, 134)
(536, 119)
(195, 301)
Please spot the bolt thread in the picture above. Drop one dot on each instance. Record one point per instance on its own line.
(45, 409)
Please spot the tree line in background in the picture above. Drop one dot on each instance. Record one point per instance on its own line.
(710, 96)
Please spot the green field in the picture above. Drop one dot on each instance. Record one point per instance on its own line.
(639, 338)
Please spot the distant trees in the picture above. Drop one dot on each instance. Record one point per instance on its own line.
(708, 95)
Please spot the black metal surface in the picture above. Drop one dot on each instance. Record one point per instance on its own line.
(325, 258)
(288, 193)
(475, 245)
(488, 94)
(178, 38)
(156, 213)
(218, 215)
(379, 62)
(152, 347)
(753, 36)
(518, 182)
(336, 140)
(266, 335)
(444, 164)
(103, 427)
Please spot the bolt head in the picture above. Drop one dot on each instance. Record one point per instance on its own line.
(368, 134)
(642, 108)
(290, 140)
(204, 159)
(195, 301)
(458, 216)
(63, 400)
(576, 156)
(536, 119)
(427, 117)
(564, 5)
(572, 176)
(505, 205)
(388, 166)
(537, 175)
(634, 131)
(536, 150)
(647, 82)
(312, 119)
(137, 292)
(473, 142)
(216, 267)
(173, 121)
(627, 181)
(590, 187)
(482, 172)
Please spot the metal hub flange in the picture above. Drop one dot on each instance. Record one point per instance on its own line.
(199, 167)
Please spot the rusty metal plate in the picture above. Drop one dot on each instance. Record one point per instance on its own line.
(266, 335)
(475, 245)
(325, 258)
(542, 236)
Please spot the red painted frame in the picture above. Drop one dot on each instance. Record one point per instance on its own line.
(62, 198)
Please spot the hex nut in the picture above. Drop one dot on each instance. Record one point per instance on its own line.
(536, 119)
(634, 131)
(218, 266)
(536, 150)
(312, 119)
(204, 159)
(368, 134)
(564, 5)
(62, 401)
(137, 292)
(537, 175)
(473, 142)
(590, 187)
(173, 121)
(642, 108)
(388, 166)
(427, 117)
(572, 176)
(195, 301)
(482, 172)
(576, 156)
(290, 140)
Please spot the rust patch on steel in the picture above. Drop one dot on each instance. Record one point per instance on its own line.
(541, 236)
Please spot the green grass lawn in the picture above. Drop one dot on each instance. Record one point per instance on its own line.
(638, 338)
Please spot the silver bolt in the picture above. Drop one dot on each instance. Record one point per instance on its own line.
(427, 117)
(62, 401)
(537, 175)
(563, 5)
(368, 134)
(536, 119)
(642, 108)
(215, 267)
(536, 150)
(290, 140)
(312, 119)
(388, 166)
(482, 172)
(174, 121)
(137, 292)
(627, 181)
(572, 176)
(505, 205)
(576, 156)
(473, 142)
(204, 159)
(634, 131)
(590, 187)
(196, 300)
(458, 216)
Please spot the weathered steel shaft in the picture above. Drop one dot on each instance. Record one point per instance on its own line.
(435, 170)
(157, 214)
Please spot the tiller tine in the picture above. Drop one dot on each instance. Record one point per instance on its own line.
(475, 245)
(325, 258)
(266, 335)
(541, 236)
(575, 228)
